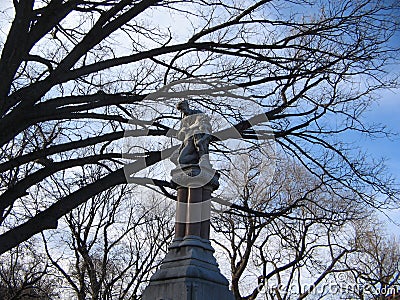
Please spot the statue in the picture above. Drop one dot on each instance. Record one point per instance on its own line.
(189, 270)
(195, 134)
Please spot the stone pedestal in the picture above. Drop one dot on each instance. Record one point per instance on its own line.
(189, 271)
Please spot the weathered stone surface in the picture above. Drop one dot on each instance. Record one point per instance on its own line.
(195, 176)
(189, 271)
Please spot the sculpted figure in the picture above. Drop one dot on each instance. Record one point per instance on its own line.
(195, 134)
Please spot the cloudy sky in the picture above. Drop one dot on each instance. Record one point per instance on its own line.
(386, 111)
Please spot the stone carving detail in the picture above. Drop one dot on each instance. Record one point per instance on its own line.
(195, 134)
(189, 270)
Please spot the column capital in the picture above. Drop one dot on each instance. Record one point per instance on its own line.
(194, 176)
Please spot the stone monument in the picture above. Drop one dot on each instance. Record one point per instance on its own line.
(189, 271)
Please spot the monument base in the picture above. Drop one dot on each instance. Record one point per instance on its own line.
(188, 272)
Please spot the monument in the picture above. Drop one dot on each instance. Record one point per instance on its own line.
(189, 271)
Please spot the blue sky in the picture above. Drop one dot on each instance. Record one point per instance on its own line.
(387, 112)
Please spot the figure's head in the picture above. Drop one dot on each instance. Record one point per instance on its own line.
(183, 106)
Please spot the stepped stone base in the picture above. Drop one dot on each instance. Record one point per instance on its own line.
(188, 272)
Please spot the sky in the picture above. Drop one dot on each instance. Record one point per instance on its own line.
(387, 111)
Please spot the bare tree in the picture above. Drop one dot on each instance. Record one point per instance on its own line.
(73, 73)
(295, 251)
(375, 268)
(26, 275)
(108, 247)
